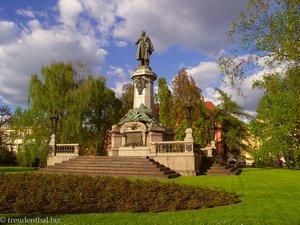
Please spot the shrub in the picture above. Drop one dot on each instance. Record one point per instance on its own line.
(7, 157)
(49, 193)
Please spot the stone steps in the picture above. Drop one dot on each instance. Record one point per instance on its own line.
(112, 166)
(220, 169)
(205, 164)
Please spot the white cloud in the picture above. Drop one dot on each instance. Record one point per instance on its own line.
(34, 24)
(37, 47)
(212, 95)
(86, 26)
(8, 31)
(104, 13)
(205, 74)
(117, 71)
(193, 24)
(118, 87)
(25, 12)
(69, 11)
(247, 99)
(121, 43)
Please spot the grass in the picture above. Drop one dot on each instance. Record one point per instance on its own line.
(269, 196)
(15, 169)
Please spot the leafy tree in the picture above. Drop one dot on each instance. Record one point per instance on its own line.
(6, 156)
(5, 115)
(85, 106)
(268, 31)
(185, 91)
(127, 97)
(164, 97)
(277, 125)
(99, 109)
(268, 36)
(235, 132)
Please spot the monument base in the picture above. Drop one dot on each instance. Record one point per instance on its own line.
(134, 138)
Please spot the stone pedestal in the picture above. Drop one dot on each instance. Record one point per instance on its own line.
(189, 135)
(133, 138)
(52, 145)
(143, 79)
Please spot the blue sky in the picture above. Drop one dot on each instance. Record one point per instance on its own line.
(190, 34)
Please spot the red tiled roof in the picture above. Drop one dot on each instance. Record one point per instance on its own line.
(210, 105)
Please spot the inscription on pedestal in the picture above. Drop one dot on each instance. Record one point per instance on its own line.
(134, 139)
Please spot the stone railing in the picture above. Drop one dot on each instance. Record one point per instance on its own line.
(62, 152)
(172, 147)
(67, 149)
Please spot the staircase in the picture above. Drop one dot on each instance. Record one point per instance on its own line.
(220, 169)
(206, 163)
(112, 166)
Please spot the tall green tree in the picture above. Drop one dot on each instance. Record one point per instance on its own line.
(6, 156)
(277, 125)
(34, 131)
(85, 106)
(99, 109)
(185, 91)
(236, 133)
(267, 32)
(127, 97)
(164, 97)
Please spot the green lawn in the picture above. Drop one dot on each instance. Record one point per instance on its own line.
(15, 169)
(269, 196)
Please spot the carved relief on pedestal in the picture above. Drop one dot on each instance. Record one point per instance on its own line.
(133, 134)
(140, 84)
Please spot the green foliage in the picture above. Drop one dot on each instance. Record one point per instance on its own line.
(15, 169)
(236, 132)
(185, 91)
(5, 115)
(127, 97)
(268, 31)
(164, 97)
(269, 196)
(7, 157)
(99, 110)
(85, 106)
(277, 125)
(37, 193)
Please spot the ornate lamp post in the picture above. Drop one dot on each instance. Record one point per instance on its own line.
(213, 130)
(213, 144)
(190, 108)
(189, 132)
(54, 120)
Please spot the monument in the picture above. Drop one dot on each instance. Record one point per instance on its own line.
(139, 133)
(138, 128)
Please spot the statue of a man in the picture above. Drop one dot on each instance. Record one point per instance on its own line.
(145, 48)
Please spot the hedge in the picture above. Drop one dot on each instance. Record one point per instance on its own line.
(50, 193)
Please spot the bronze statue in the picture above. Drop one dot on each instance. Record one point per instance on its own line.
(144, 50)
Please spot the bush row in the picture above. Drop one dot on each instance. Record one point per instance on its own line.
(49, 193)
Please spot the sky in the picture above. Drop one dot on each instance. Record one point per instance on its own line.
(192, 34)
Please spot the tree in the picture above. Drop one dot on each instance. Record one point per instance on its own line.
(268, 31)
(236, 132)
(5, 115)
(85, 106)
(6, 156)
(127, 97)
(99, 110)
(164, 97)
(277, 125)
(185, 91)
